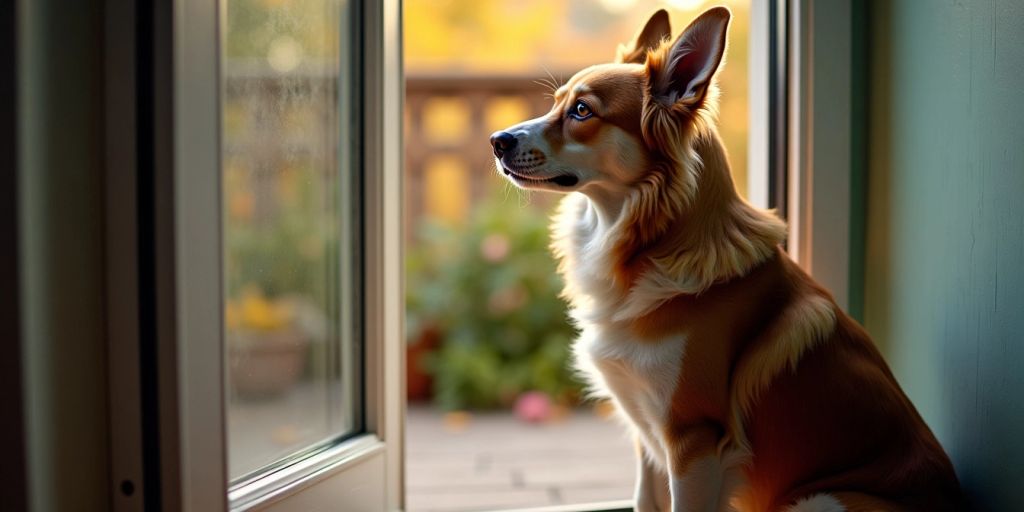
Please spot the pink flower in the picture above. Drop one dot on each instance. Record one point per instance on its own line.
(494, 248)
(533, 407)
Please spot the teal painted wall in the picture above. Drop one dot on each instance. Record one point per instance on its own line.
(944, 282)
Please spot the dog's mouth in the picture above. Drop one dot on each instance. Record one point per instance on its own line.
(562, 180)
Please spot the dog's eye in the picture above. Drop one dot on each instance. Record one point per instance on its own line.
(580, 111)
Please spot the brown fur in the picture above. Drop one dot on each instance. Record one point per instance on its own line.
(835, 421)
(772, 368)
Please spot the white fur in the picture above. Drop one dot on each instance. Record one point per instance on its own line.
(818, 503)
(640, 377)
(652, 492)
(709, 483)
(733, 459)
(592, 230)
(697, 489)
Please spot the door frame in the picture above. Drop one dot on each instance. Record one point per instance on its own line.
(164, 291)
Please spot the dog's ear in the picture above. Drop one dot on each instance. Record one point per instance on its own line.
(650, 37)
(683, 73)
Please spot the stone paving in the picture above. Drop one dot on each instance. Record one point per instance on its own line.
(494, 461)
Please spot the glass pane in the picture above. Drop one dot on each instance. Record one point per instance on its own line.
(288, 240)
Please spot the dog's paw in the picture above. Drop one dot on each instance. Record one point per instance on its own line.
(652, 504)
(646, 505)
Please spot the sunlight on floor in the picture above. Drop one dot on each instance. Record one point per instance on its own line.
(490, 461)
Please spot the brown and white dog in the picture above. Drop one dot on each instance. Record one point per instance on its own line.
(747, 387)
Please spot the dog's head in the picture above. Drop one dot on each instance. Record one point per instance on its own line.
(614, 125)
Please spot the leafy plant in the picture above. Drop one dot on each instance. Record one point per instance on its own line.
(490, 287)
(281, 242)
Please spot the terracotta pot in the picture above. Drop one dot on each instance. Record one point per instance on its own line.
(419, 385)
(265, 363)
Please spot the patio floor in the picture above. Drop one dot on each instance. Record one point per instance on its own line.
(494, 461)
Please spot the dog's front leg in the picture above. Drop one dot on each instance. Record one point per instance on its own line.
(695, 470)
(651, 494)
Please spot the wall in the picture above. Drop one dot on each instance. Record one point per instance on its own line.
(13, 493)
(945, 228)
(59, 175)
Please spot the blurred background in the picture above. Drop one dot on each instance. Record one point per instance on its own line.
(496, 416)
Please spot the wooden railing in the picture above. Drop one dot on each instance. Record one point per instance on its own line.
(479, 105)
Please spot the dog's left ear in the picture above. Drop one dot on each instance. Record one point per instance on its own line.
(683, 73)
(650, 37)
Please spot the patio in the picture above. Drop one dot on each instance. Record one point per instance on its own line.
(494, 461)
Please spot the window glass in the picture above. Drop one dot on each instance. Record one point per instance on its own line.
(288, 244)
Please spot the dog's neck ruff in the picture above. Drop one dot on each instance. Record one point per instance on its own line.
(684, 255)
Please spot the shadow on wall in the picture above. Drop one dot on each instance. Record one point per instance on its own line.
(945, 230)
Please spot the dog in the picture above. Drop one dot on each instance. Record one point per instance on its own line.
(746, 386)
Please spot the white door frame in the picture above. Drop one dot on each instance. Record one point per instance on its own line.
(820, 141)
(164, 204)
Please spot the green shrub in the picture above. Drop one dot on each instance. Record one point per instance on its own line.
(489, 285)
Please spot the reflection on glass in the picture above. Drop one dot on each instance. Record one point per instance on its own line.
(286, 239)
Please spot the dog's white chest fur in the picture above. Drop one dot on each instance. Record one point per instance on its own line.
(640, 377)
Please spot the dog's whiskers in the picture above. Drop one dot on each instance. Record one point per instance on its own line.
(550, 82)
(525, 199)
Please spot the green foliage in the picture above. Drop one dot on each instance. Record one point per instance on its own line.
(291, 248)
(491, 288)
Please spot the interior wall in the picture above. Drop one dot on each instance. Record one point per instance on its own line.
(13, 492)
(60, 201)
(945, 227)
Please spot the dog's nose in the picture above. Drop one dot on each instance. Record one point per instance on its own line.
(502, 142)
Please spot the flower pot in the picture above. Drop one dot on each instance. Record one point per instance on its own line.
(265, 364)
(419, 385)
